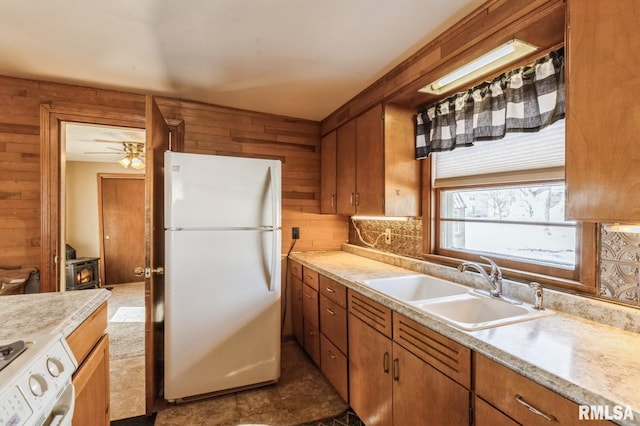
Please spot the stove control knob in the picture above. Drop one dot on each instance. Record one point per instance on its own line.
(37, 384)
(55, 367)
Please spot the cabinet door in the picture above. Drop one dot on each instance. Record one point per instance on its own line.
(370, 162)
(346, 168)
(370, 384)
(603, 114)
(328, 173)
(421, 392)
(296, 309)
(91, 382)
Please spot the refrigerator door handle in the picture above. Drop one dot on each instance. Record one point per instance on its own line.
(274, 200)
(274, 259)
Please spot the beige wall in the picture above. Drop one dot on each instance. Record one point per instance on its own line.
(81, 204)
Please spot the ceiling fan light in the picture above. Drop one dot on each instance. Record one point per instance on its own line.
(125, 162)
(137, 163)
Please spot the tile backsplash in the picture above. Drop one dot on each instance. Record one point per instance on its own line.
(406, 236)
(619, 253)
(619, 261)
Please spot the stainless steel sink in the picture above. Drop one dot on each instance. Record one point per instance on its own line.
(453, 303)
(413, 288)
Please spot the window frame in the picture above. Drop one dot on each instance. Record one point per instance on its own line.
(581, 279)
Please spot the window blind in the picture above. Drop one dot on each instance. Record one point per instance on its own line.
(519, 157)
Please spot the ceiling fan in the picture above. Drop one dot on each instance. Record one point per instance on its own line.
(133, 154)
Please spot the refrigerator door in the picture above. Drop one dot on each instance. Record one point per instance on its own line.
(210, 191)
(222, 322)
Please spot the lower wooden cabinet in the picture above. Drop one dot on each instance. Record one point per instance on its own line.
(90, 346)
(521, 399)
(390, 384)
(91, 383)
(370, 381)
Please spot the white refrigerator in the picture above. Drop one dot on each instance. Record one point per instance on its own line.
(222, 274)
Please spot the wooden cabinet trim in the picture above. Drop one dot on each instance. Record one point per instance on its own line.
(372, 313)
(84, 338)
(447, 356)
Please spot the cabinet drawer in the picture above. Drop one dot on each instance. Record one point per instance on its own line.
(503, 388)
(334, 367)
(333, 322)
(333, 291)
(310, 277)
(85, 337)
(295, 269)
(312, 341)
(310, 305)
(486, 415)
(442, 353)
(372, 313)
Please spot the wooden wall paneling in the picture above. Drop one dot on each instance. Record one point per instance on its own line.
(207, 129)
(217, 130)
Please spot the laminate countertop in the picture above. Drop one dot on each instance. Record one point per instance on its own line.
(25, 315)
(585, 361)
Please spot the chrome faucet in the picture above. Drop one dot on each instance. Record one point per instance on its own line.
(494, 278)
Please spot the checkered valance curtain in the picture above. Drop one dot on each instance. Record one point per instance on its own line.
(522, 100)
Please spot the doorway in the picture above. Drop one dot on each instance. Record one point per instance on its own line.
(161, 134)
(104, 218)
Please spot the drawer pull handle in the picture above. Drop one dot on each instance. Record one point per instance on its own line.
(332, 356)
(330, 311)
(330, 290)
(308, 295)
(385, 362)
(533, 409)
(309, 276)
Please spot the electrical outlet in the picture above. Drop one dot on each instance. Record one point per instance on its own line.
(387, 236)
(295, 233)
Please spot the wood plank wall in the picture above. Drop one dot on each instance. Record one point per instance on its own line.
(208, 129)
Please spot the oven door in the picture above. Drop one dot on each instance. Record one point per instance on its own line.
(61, 413)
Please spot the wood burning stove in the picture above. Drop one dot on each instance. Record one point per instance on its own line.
(82, 273)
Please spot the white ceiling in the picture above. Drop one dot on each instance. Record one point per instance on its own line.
(291, 57)
(98, 144)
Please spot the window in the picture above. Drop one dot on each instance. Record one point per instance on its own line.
(505, 200)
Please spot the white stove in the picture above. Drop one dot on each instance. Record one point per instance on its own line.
(35, 381)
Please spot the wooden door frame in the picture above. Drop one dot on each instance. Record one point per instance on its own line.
(51, 117)
(101, 178)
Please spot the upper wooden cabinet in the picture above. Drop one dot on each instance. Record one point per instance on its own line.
(377, 173)
(328, 174)
(603, 116)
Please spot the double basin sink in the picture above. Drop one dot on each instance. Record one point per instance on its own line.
(455, 304)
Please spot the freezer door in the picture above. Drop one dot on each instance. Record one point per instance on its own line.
(222, 320)
(210, 191)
